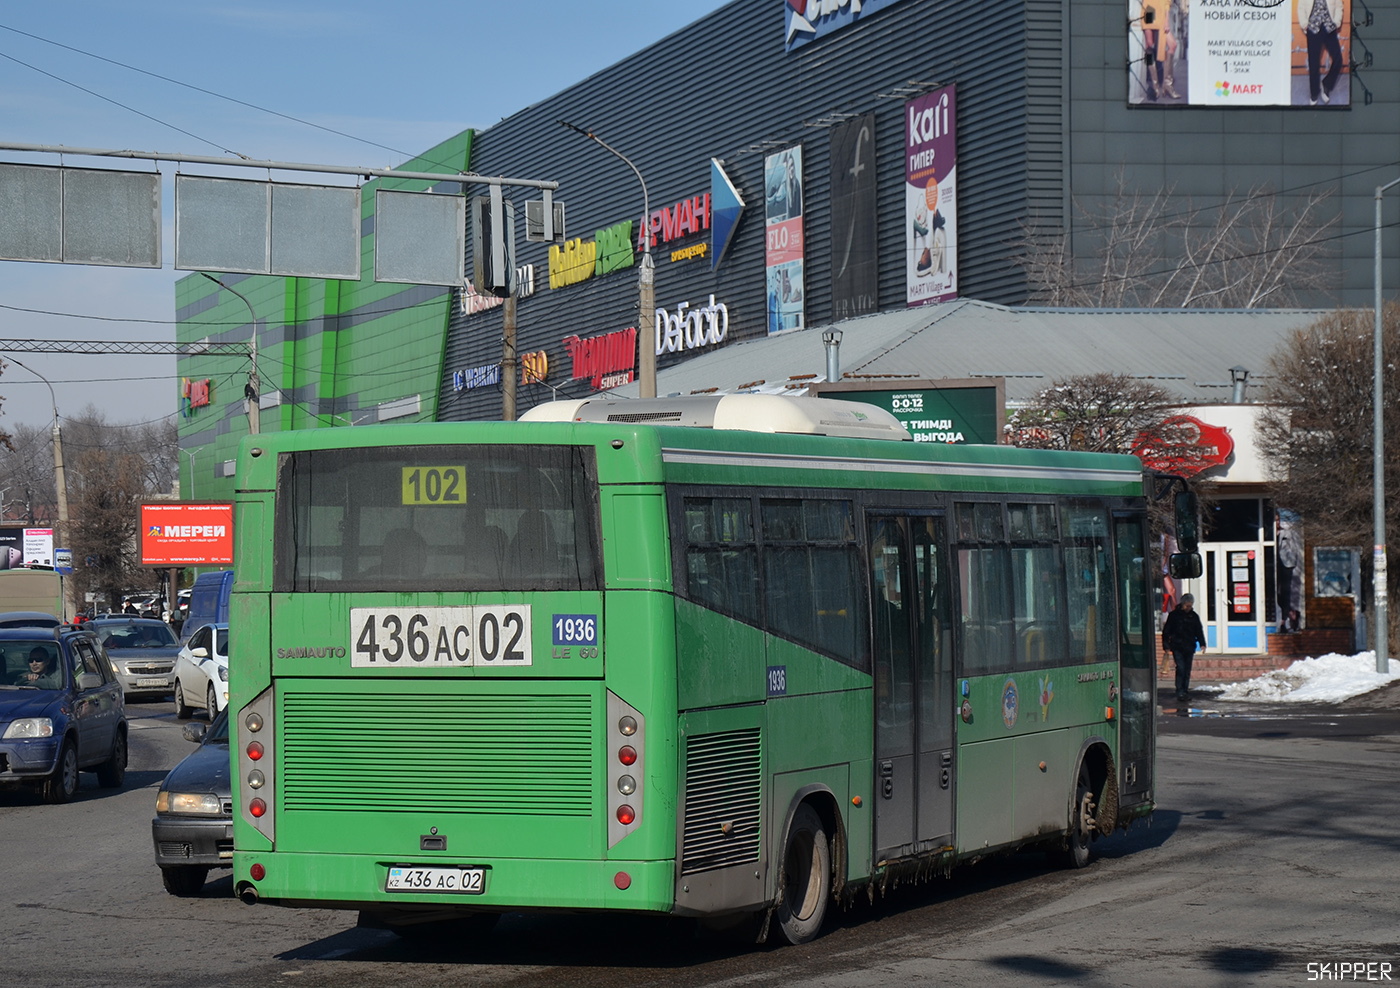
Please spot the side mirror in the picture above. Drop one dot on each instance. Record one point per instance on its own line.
(1184, 565)
(199, 653)
(1188, 522)
(195, 732)
(89, 681)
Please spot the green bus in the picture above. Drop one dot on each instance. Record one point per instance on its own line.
(729, 657)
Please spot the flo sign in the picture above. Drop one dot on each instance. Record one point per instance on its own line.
(808, 20)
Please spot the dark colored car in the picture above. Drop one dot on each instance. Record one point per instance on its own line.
(28, 619)
(193, 827)
(61, 712)
(142, 650)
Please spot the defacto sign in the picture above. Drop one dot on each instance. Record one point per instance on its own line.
(808, 20)
(690, 329)
(605, 361)
(186, 534)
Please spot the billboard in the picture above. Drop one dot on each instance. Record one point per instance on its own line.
(20, 547)
(953, 410)
(1239, 53)
(182, 534)
(930, 197)
(854, 256)
(783, 252)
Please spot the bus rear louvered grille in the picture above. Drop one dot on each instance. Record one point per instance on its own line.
(530, 755)
(722, 800)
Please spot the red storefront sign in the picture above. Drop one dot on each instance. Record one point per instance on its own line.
(606, 360)
(1184, 445)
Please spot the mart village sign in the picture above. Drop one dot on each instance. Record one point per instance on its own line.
(952, 410)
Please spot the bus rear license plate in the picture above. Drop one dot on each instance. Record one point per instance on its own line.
(462, 881)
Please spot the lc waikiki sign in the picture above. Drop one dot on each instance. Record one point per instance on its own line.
(186, 534)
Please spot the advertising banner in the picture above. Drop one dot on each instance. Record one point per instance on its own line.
(854, 271)
(808, 20)
(930, 197)
(947, 411)
(782, 211)
(20, 547)
(38, 547)
(1239, 52)
(186, 534)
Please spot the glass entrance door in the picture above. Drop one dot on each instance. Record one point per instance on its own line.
(1230, 597)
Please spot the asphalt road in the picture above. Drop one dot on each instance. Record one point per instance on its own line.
(1270, 851)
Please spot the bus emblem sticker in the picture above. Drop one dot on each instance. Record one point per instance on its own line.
(1010, 703)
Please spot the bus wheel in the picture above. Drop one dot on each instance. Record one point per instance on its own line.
(1077, 852)
(806, 877)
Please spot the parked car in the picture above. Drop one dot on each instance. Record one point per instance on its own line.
(28, 619)
(142, 651)
(201, 672)
(61, 712)
(193, 826)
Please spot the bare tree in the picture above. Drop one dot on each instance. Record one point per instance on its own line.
(1318, 437)
(1152, 250)
(1114, 413)
(111, 469)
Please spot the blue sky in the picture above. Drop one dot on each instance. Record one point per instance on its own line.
(399, 78)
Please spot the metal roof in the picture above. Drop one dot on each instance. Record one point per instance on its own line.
(1189, 352)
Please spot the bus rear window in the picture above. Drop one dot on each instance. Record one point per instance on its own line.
(446, 518)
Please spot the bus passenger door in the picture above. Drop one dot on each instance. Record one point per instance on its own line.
(913, 684)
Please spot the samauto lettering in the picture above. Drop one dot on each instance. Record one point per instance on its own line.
(312, 652)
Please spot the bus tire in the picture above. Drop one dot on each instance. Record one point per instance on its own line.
(1078, 850)
(805, 878)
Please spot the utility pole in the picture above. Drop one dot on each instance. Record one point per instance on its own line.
(60, 531)
(508, 361)
(646, 282)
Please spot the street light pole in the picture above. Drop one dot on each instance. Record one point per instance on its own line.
(1379, 590)
(252, 390)
(646, 281)
(59, 481)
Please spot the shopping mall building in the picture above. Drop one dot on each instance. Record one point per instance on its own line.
(870, 169)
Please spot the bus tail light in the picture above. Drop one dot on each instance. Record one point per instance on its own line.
(256, 785)
(625, 738)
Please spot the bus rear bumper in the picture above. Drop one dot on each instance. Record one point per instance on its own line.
(357, 881)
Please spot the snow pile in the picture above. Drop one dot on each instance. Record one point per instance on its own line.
(1325, 679)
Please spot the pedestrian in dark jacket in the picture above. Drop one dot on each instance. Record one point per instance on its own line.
(1180, 635)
